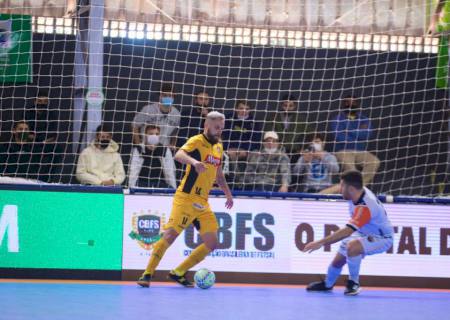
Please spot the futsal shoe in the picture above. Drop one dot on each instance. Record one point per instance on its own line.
(180, 279)
(144, 280)
(318, 286)
(352, 288)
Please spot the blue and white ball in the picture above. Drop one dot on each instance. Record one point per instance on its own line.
(204, 278)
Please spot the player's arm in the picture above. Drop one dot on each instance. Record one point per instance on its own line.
(332, 238)
(435, 18)
(222, 183)
(184, 158)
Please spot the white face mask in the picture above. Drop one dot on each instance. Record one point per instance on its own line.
(270, 150)
(317, 147)
(152, 139)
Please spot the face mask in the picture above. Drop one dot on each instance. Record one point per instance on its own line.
(245, 117)
(152, 139)
(104, 143)
(167, 101)
(23, 136)
(317, 147)
(270, 150)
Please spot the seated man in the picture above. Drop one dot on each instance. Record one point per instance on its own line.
(100, 163)
(242, 135)
(290, 122)
(269, 169)
(163, 114)
(152, 164)
(43, 121)
(21, 157)
(317, 165)
(352, 131)
(193, 117)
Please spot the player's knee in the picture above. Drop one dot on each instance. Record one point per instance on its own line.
(354, 248)
(170, 235)
(211, 242)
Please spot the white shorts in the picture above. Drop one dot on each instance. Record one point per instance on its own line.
(370, 244)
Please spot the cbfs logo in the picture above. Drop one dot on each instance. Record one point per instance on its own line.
(146, 228)
(9, 225)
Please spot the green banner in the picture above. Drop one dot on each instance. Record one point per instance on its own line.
(15, 48)
(61, 230)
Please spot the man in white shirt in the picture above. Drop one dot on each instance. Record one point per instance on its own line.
(162, 114)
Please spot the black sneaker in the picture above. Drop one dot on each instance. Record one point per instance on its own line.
(144, 280)
(352, 288)
(318, 286)
(180, 279)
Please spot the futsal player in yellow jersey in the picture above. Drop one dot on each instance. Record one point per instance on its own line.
(203, 156)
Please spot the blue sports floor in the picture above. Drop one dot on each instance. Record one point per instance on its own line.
(28, 299)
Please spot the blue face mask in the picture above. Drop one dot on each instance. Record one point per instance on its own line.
(167, 101)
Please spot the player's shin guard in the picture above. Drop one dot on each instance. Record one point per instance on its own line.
(158, 252)
(195, 257)
(332, 275)
(354, 264)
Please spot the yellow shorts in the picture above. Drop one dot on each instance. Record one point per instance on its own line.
(185, 210)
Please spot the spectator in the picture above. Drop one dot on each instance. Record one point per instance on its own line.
(352, 131)
(317, 165)
(163, 114)
(268, 170)
(290, 123)
(242, 135)
(193, 117)
(43, 121)
(152, 164)
(21, 157)
(100, 163)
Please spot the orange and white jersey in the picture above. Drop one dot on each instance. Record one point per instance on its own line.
(369, 217)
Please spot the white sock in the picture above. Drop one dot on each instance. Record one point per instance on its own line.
(354, 264)
(332, 275)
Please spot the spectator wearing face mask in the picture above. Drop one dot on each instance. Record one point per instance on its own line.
(152, 164)
(42, 120)
(100, 163)
(242, 135)
(21, 157)
(317, 166)
(352, 131)
(162, 114)
(290, 122)
(269, 169)
(193, 117)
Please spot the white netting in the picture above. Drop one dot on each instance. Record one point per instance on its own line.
(285, 67)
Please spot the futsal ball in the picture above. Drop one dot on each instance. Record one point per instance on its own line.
(204, 278)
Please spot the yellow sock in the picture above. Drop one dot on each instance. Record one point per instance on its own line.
(195, 257)
(158, 252)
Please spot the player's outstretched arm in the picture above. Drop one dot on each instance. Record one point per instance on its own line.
(332, 238)
(184, 158)
(222, 183)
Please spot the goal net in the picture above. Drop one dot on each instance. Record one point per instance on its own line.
(308, 90)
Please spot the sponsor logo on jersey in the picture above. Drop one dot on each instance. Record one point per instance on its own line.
(215, 161)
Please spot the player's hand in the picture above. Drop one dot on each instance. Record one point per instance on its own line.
(200, 167)
(229, 203)
(312, 246)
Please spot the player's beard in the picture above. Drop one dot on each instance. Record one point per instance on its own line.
(211, 138)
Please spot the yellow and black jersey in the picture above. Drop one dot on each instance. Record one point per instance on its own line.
(198, 185)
